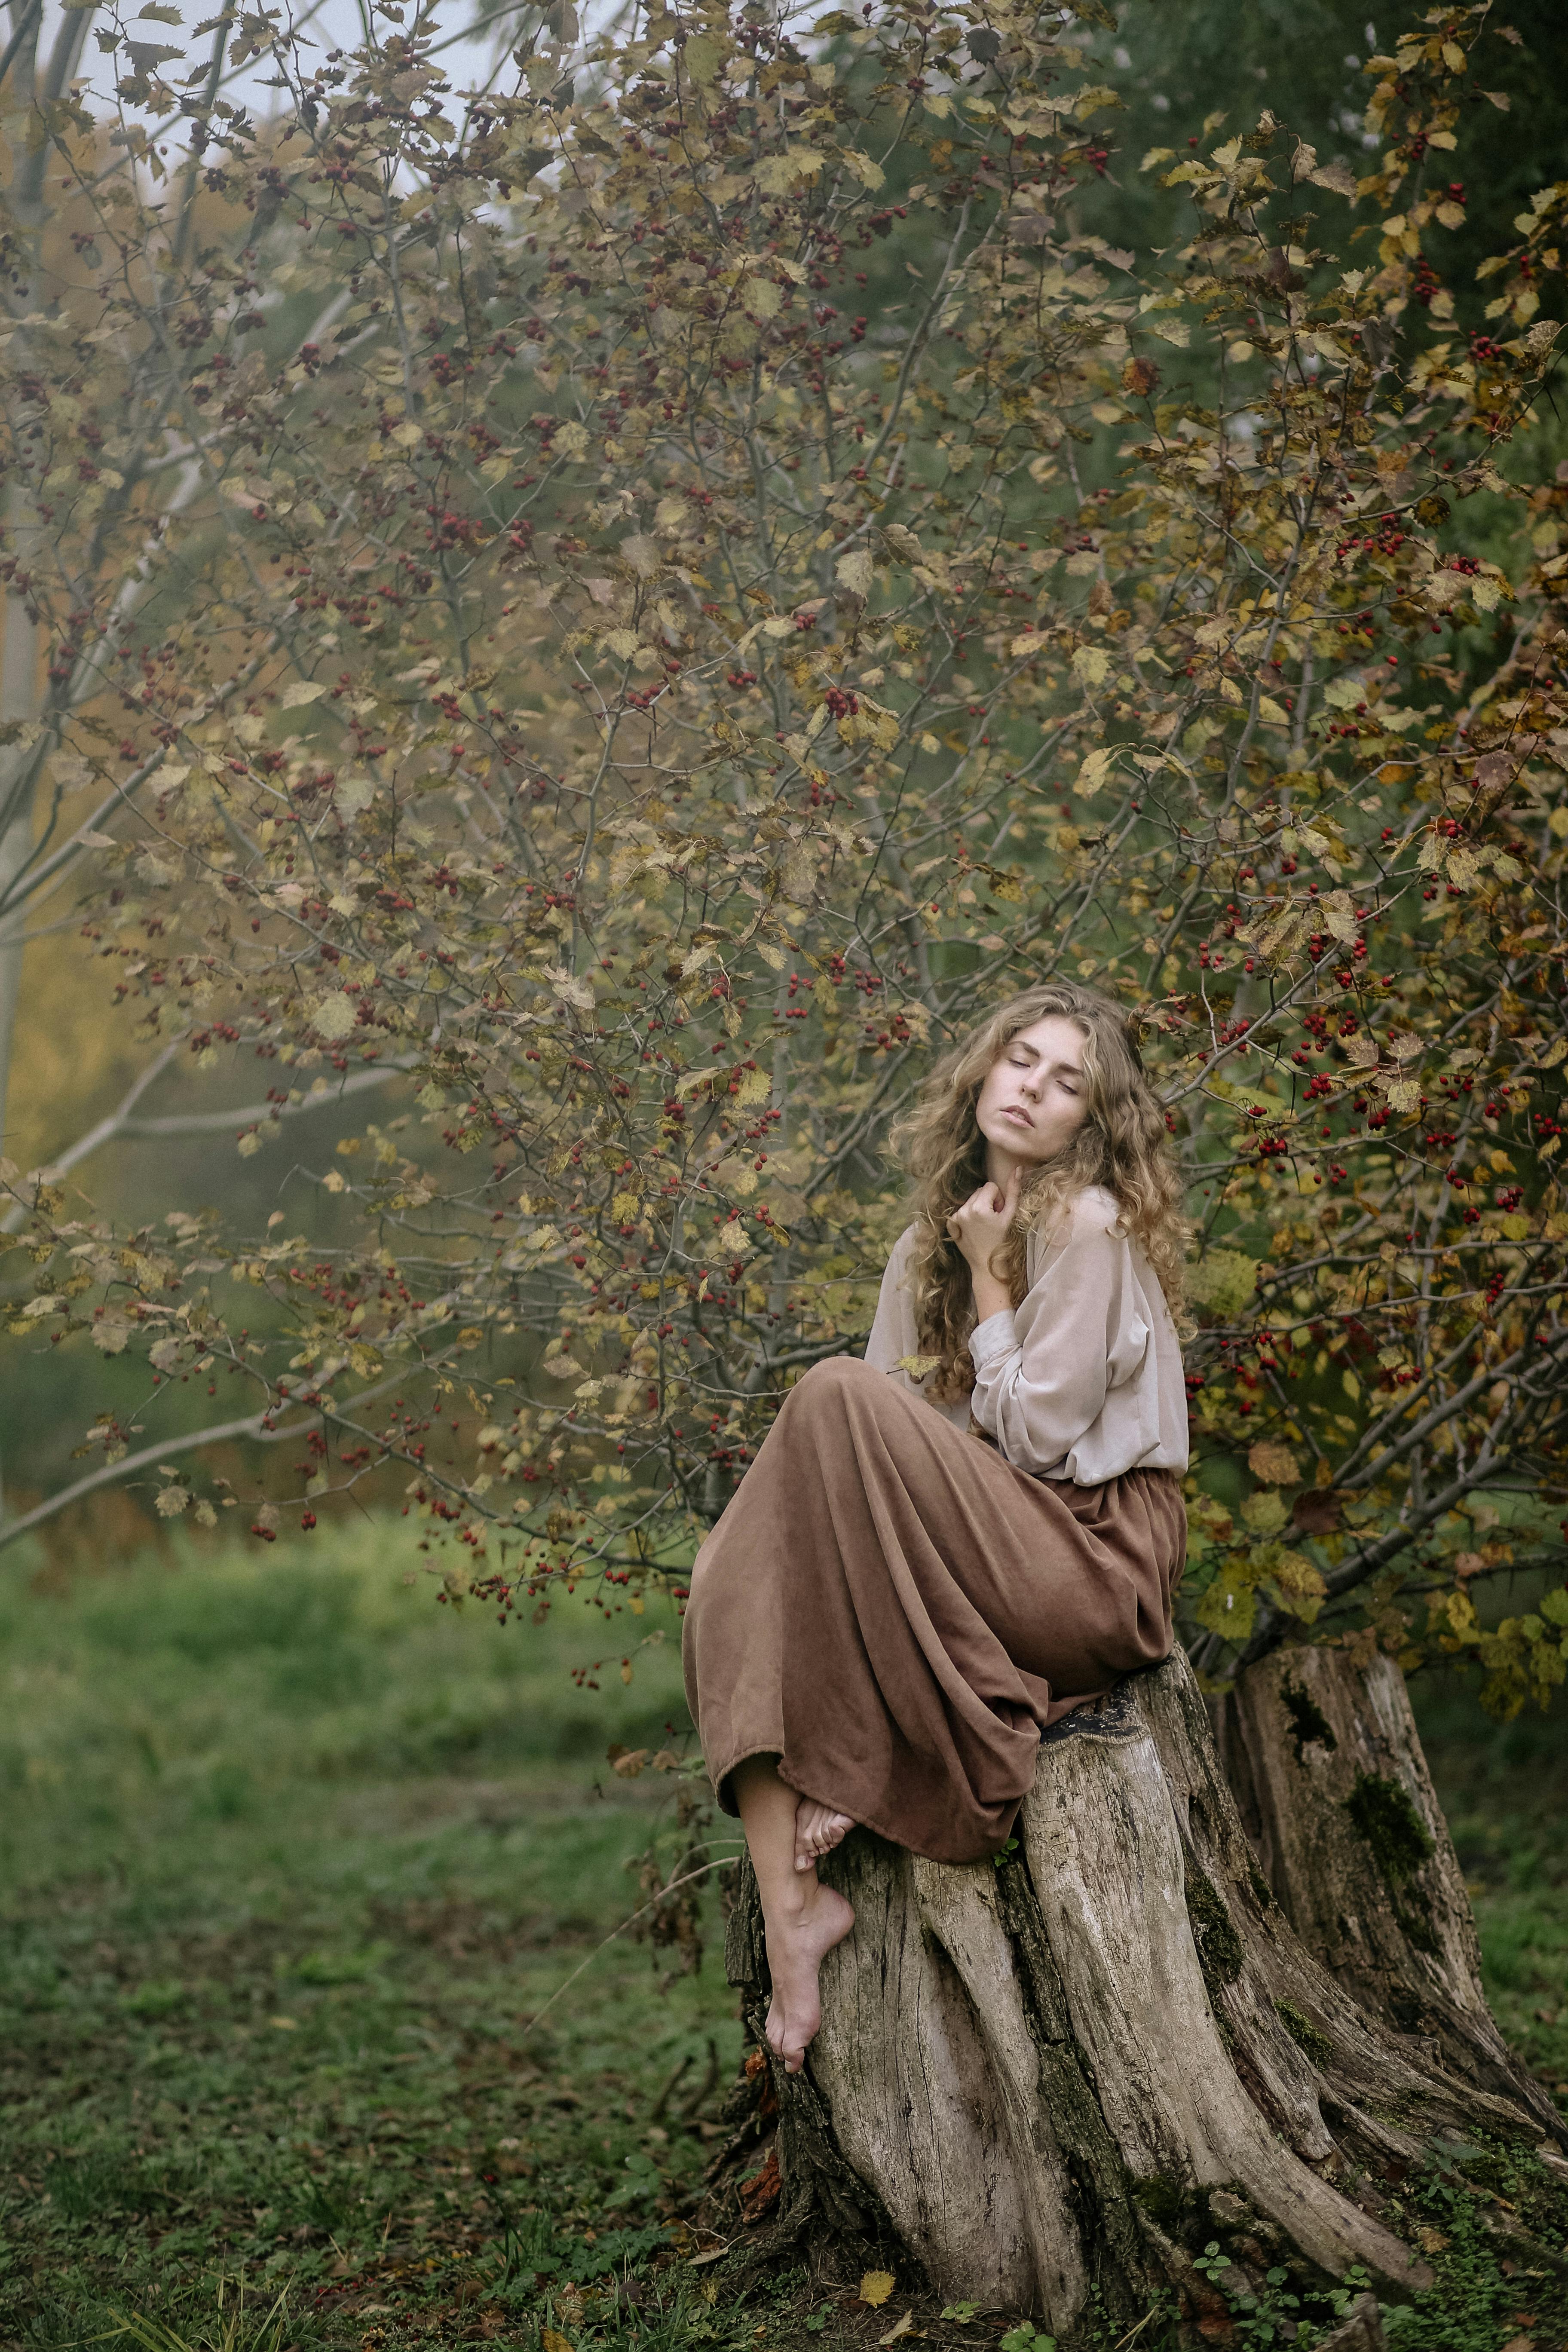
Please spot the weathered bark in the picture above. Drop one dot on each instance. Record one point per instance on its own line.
(1062, 2077)
(1325, 1761)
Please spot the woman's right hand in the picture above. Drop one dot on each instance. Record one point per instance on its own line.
(980, 1227)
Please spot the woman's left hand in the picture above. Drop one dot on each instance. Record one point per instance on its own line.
(980, 1227)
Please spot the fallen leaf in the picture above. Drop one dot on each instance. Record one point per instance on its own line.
(905, 2326)
(876, 2287)
(762, 2189)
(553, 2341)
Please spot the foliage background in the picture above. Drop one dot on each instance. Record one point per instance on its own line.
(522, 625)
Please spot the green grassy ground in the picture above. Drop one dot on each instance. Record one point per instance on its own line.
(1504, 1788)
(291, 1858)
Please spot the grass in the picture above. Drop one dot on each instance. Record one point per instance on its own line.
(292, 1858)
(1504, 1788)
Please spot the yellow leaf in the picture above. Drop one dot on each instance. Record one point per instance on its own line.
(335, 1015)
(1229, 1604)
(854, 572)
(703, 58)
(1302, 1586)
(1091, 663)
(1095, 768)
(1264, 1512)
(875, 2288)
(553, 2341)
(1453, 56)
(1224, 1281)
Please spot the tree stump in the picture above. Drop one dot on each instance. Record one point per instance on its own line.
(1325, 1761)
(1060, 2077)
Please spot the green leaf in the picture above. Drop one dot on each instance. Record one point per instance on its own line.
(704, 55)
(1230, 1605)
(1223, 1281)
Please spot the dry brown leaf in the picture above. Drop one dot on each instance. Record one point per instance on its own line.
(1273, 1463)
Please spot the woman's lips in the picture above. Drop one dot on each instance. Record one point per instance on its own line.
(1021, 1116)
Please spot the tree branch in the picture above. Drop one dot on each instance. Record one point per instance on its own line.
(206, 1122)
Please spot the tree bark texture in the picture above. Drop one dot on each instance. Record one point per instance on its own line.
(1051, 2081)
(1325, 1761)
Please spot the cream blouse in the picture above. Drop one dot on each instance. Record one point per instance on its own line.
(1083, 1381)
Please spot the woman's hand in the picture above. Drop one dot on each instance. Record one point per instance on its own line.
(979, 1228)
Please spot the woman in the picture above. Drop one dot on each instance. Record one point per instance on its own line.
(892, 1608)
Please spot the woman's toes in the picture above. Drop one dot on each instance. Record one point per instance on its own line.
(817, 1830)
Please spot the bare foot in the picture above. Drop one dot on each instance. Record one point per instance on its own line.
(817, 1830)
(797, 1943)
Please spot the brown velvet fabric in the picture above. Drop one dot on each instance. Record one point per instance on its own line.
(896, 1613)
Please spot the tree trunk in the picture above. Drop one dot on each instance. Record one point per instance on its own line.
(1325, 1762)
(1058, 2078)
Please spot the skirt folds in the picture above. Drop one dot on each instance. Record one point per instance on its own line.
(894, 1612)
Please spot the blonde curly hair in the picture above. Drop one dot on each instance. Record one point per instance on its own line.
(1122, 1145)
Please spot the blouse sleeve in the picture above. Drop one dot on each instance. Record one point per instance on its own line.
(1042, 1373)
(893, 1334)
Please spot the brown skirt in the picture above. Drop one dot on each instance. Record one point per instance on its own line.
(896, 1613)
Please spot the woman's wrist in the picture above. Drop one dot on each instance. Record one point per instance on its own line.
(991, 1297)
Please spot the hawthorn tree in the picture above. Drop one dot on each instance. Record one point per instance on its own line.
(524, 638)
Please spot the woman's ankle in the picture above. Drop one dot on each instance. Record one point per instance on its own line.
(795, 1901)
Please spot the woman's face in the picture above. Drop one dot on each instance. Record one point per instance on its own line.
(1036, 1096)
